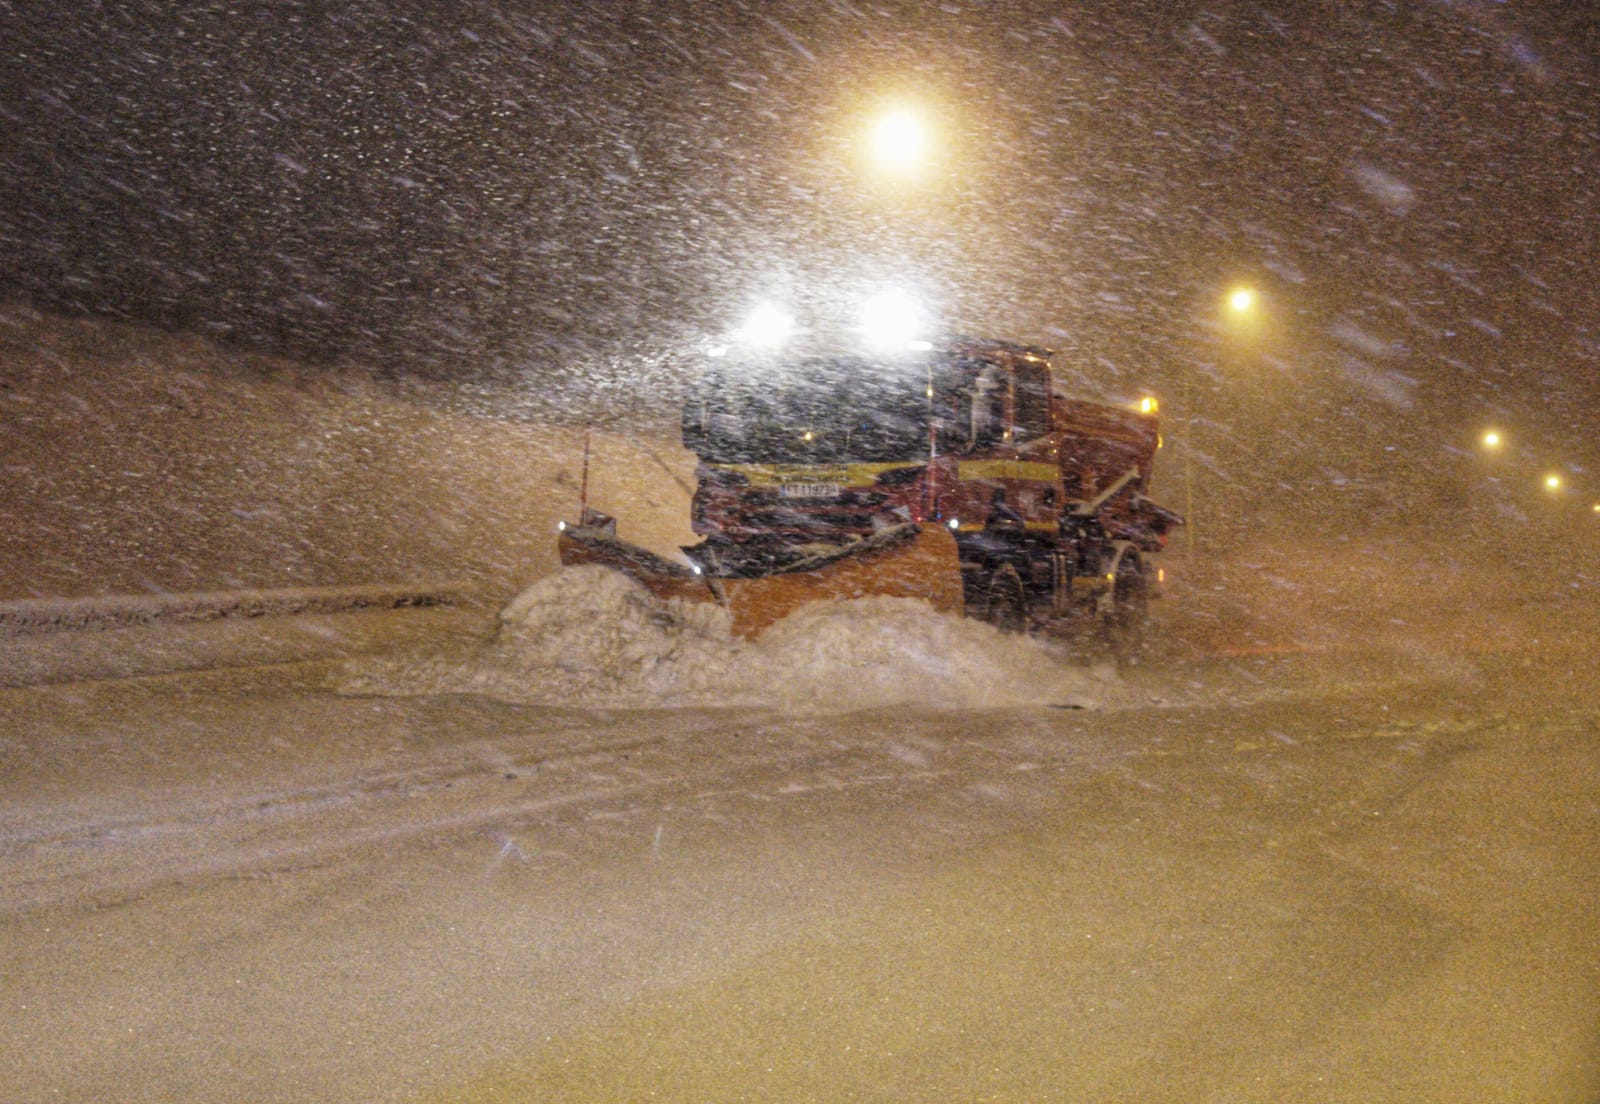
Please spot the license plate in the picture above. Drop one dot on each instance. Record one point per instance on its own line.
(809, 490)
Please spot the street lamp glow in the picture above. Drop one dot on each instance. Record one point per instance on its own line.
(1492, 439)
(1552, 482)
(1242, 300)
(899, 142)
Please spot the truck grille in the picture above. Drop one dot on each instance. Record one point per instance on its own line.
(766, 513)
(806, 519)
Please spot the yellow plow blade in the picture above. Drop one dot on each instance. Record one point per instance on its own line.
(909, 561)
(922, 564)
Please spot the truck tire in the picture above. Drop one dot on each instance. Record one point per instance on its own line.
(1007, 606)
(1130, 607)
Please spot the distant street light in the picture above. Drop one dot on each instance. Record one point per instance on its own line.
(1239, 323)
(1492, 440)
(1552, 482)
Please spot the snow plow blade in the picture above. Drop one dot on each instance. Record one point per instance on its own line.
(908, 561)
(595, 542)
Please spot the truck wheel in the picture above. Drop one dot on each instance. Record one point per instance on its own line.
(1130, 606)
(1007, 606)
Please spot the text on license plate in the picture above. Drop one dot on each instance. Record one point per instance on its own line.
(809, 490)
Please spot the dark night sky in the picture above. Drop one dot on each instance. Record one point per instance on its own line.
(561, 191)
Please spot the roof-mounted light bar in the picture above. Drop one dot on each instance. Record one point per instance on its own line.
(767, 325)
(890, 320)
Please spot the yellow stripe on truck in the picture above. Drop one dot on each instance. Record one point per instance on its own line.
(845, 475)
(1039, 473)
(1006, 469)
(968, 471)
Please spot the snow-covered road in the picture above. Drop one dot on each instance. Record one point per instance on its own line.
(1341, 875)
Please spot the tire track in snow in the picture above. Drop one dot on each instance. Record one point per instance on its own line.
(63, 858)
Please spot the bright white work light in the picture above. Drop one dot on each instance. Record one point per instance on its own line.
(768, 325)
(891, 318)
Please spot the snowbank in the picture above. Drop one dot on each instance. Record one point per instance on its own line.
(589, 637)
(44, 615)
(135, 462)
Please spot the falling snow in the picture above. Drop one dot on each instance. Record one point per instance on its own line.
(319, 780)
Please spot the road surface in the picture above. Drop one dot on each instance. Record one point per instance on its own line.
(1354, 874)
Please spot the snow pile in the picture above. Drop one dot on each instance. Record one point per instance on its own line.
(880, 651)
(588, 637)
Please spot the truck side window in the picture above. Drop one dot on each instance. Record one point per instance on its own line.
(1033, 401)
(989, 408)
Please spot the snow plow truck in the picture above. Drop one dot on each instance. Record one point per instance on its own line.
(964, 472)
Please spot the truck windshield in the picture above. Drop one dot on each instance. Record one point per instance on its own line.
(832, 410)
